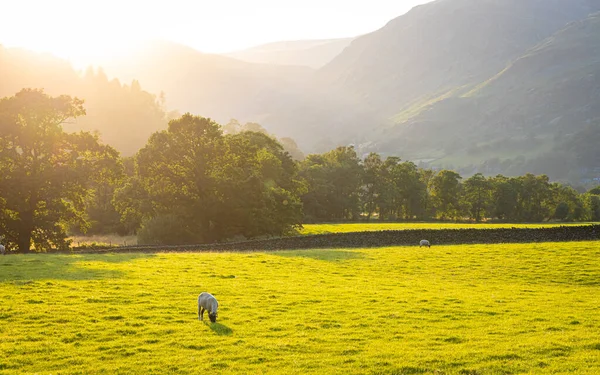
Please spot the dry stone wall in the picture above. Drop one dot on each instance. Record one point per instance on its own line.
(387, 238)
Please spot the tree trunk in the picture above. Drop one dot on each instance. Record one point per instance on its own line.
(26, 227)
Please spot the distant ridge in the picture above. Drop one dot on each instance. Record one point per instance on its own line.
(311, 53)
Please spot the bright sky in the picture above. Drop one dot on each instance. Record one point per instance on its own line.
(85, 29)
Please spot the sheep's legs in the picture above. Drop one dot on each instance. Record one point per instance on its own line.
(200, 313)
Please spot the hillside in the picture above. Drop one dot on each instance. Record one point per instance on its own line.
(284, 99)
(543, 106)
(439, 50)
(498, 86)
(209, 85)
(124, 115)
(310, 53)
(443, 46)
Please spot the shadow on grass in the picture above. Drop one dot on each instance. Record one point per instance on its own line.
(327, 255)
(33, 267)
(219, 329)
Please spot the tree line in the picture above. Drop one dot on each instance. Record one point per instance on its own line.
(341, 186)
(196, 183)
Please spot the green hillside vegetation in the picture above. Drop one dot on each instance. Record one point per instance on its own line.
(444, 45)
(448, 310)
(541, 107)
(123, 114)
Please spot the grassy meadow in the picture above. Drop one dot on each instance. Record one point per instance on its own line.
(471, 309)
(364, 227)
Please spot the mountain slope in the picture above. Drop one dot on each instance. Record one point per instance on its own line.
(537, 107)
(284, 99)
(444, 48)
(310, 53)
(209, 85)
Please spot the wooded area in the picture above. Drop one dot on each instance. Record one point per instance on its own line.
(193, 183)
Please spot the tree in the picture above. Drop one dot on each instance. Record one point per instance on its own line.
(446, 192)
(46, 172)
(477, 190)
(177, 170)
(211, 186)
(334, 181)
(372, 183)
(592, 204)
(264, 193)
(412, 191)
(562, 211)
(232, 127)
(505, 196)
(254, 127)
(292, 148)
(575, 203)
(535, 198)
(388, 199)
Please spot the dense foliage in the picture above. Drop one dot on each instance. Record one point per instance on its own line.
(207, 187)
(197, 182)
(342, 187)
(46, 172)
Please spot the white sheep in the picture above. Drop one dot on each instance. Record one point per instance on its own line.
(2, 249)
(424, 243)
(208, 302)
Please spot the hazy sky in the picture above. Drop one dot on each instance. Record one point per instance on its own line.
(85, 29)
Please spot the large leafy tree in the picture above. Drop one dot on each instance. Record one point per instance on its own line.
(535, 198)
(260, 182)
(207, 187)
(46, 172)
(178, 168)
(334, 180)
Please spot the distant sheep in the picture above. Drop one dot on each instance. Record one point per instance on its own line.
(2, 249)
(424, 243)
(207, 302)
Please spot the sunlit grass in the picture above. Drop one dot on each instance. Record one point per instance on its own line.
(475, 309)
(365, 227)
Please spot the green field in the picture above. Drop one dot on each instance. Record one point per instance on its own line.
(364, 227)
(476, 309)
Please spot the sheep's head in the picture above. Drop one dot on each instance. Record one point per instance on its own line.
(212, 317)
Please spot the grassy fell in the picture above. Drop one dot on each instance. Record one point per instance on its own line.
(475, 309)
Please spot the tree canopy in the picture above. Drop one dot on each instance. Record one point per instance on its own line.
(46, 172)
(220, 186)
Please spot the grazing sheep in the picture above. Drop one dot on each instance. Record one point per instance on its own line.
(424, 243)
(2, 249)
(208, 302)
